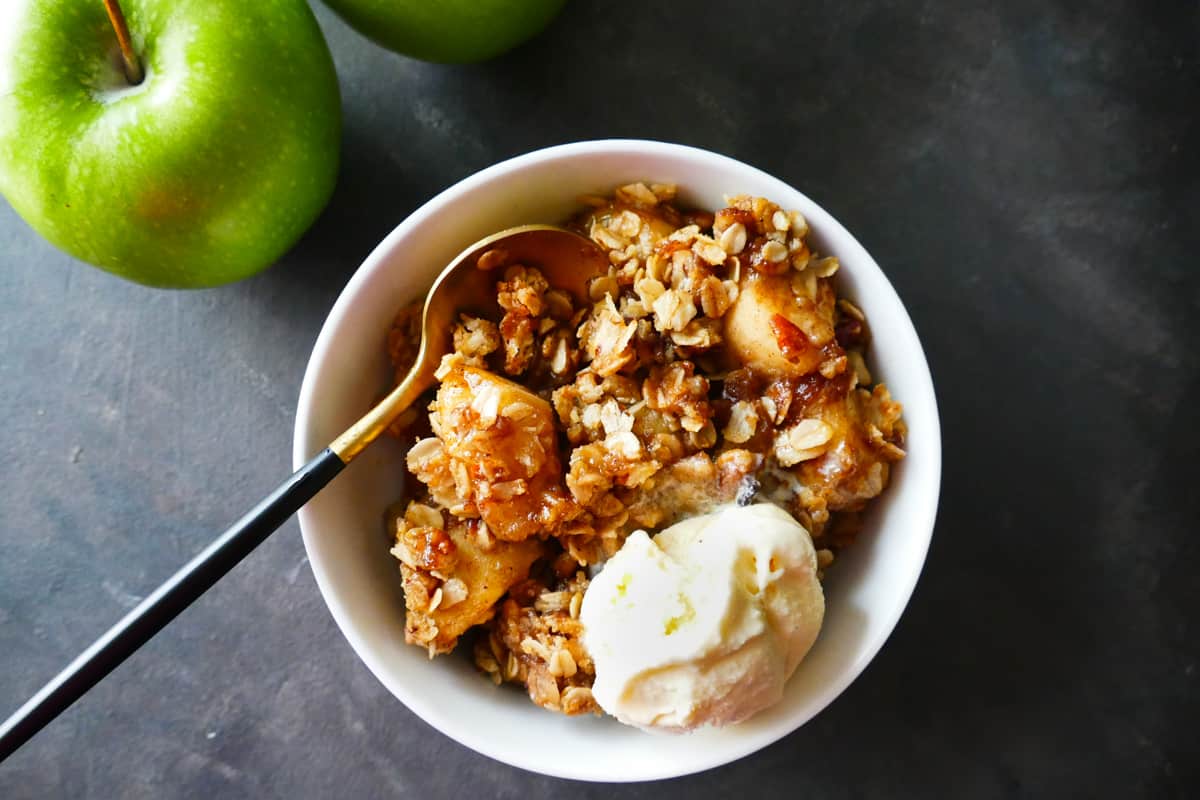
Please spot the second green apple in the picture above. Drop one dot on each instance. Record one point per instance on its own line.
(450, 31)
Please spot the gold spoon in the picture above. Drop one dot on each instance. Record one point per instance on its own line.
(566, 259)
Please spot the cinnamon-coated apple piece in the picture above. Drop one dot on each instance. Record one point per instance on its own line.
(503, 451)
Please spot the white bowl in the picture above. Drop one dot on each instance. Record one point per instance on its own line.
(342, 527)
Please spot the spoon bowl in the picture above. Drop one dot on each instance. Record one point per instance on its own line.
(568, 261)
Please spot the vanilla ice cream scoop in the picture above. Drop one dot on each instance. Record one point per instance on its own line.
(704, 623)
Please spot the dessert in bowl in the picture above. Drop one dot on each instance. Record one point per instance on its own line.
(864, 590)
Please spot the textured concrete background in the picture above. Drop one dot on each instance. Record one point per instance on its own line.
(1026, 173)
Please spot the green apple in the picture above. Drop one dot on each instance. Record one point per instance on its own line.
(451, 31)
(203, 173)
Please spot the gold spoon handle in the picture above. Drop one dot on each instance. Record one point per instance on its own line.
(375, 421)
(198, 575)
(167, 601)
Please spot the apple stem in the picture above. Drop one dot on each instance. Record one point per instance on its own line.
(133, 67)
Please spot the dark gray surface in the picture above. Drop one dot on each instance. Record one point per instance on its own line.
(1028, 177)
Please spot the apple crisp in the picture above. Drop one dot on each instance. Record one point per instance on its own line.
(713, 363)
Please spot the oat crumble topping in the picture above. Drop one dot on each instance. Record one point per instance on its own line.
(713, 363)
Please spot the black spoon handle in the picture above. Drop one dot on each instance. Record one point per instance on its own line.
(167, 601)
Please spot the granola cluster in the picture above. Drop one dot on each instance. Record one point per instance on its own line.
(712, 363)
(536, 640)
